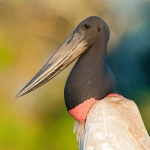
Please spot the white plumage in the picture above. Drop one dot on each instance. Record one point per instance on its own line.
(113, 123)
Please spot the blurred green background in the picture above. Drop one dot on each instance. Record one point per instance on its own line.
(30, 32)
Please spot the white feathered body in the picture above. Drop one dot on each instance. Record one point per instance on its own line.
(113, 123)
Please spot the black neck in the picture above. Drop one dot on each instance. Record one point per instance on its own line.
(89, 78)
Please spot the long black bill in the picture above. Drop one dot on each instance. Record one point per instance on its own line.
(72, 48)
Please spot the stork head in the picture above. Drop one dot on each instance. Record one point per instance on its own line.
(88, 32)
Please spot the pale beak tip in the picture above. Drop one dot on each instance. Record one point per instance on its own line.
(18, 95)
(21, 93)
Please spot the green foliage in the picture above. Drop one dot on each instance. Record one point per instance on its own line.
(6, 56)
(18, 133)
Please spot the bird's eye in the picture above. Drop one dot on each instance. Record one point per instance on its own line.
(99, 29)
(86, 26)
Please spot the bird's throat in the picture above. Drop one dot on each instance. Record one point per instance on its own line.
(80, 112)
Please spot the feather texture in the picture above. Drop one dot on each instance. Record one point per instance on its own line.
(113, 123)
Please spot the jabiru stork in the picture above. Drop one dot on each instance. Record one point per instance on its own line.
(105, 121)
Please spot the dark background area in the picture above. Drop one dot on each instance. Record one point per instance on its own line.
(30, 32)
